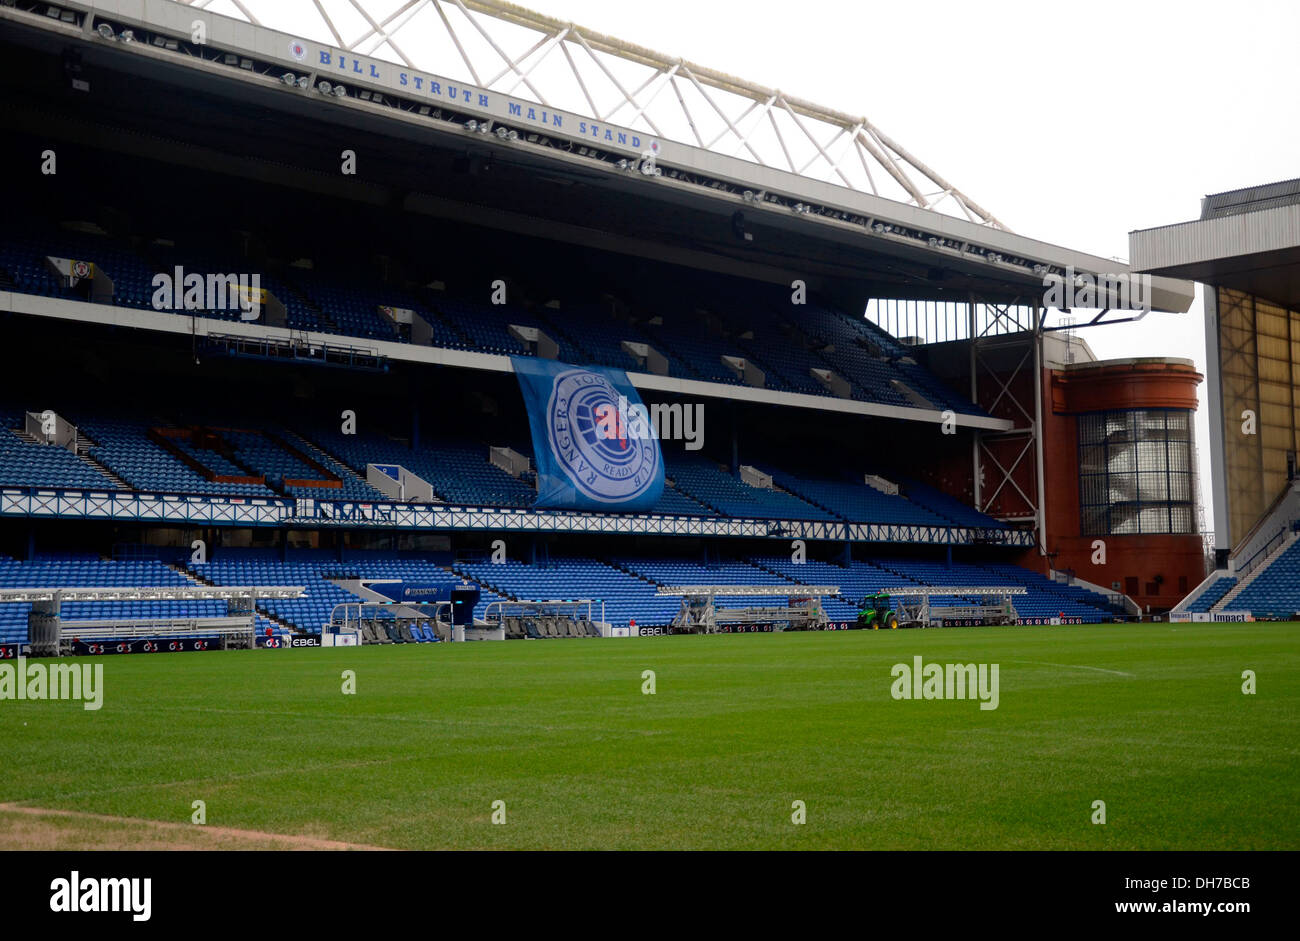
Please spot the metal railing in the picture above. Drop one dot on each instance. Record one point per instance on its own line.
(1262, 553)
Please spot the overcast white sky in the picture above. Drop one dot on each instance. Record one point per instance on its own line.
(1071, 122)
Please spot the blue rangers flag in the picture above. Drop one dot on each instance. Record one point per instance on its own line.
(594, 446)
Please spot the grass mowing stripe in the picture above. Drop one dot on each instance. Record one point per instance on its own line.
(740, 726)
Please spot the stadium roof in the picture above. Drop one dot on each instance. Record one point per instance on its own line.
(1251, 199)
(1246, 239)
(512, 50)
(788, 204)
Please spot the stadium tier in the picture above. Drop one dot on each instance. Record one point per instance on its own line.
(1272, 591)
(1212, 593)
(385, 411)
(85, 570)
(623, 590)
(1044, 598)
(131, 452)
(742, 322)
(318, 572)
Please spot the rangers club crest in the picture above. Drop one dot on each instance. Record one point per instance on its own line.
(297, 50)
(605, 462)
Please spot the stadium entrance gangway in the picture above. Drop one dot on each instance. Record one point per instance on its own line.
(699, 613)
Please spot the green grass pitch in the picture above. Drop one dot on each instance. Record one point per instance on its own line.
(1151, 719)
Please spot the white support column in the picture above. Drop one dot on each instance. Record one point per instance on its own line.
(1218, 482)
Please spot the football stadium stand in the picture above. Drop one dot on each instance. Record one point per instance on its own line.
(405, 296)
(84, 570)
(319, 571)
(1207, 598)
(744, 323)
(129, 452)
(1271, 591)
(623, 590)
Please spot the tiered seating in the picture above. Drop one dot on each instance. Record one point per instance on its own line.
(599, 337)
(266, 455)
(682, 338)
(1047, 598)
(311, 569)
(869, 357)
(486, 327)
(263, 567)
(703, 480)
(753, 322)
(950, 508)
(458, 468)
(24, 254)
(124, 447)
(352, 305)
(23, 464)
(299, 312)
(26, 269)
(212, 459)
(858, 502)
(677, 573)
(415, 567)
(855, 582)
(624, 596)
(1044, 598)
(85, 571)
(354, 486)
(1274, 592)
(1213, 592)
(916, 376)
(458, 471)
(676, 503)
(763, 333)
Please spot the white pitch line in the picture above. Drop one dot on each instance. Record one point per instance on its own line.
(1073, 666)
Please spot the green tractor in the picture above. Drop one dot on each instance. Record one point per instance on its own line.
(876, 613)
